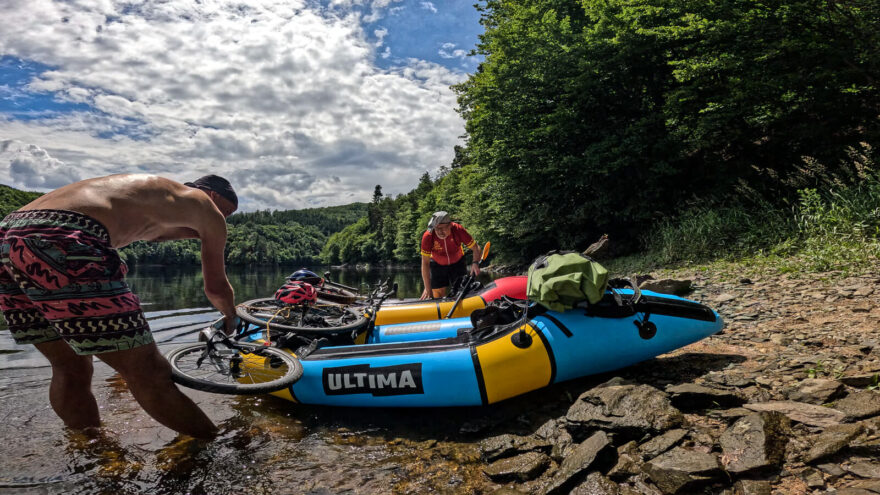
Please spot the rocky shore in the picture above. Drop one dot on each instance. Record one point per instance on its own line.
(784, 400)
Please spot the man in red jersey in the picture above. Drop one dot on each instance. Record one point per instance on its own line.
(443, 256)
(62, 286)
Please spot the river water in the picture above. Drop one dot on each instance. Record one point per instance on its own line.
(267, 445)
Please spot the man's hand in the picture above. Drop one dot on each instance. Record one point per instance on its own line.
(475, 268)
(230, 324)
(227, 324)
(426, 294)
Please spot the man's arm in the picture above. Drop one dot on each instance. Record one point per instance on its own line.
(194, 212)
(217, 286)
(426, 277)
(478, 255)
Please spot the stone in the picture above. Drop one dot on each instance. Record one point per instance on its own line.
(723, 298)
(860, 381)
(660, 444)
(831, 441)
(553, 432)
(752, 487)
(523, 467)
(690, 396)
(596, 484)
(629, 462)
(735, 413)
(817, 391)
(730, 380)
(865, 469)
(813, 478)
(630, 411)
(641, 485)
(667, 286)
(863, 291)
(580, 460)
(866, 445)
(859, 404)
(680, 470)
(801, 412)
(506, 490)
(755, 442)
(833, 471)
(872, 486)
(495, 448)
(780, 339)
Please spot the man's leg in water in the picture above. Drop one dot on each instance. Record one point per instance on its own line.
(148, 375)
(70, 391)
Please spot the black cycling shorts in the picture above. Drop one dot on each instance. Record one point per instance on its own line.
(444, 275)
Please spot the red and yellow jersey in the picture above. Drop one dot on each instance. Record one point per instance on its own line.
(449, 250)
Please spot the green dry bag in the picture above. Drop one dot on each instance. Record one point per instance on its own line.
(560, 281)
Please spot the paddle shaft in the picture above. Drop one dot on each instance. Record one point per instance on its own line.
(467, 284)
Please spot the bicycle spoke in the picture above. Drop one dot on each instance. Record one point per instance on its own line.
(275, 315)
(253, 370)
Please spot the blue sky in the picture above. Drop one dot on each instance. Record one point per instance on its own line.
(300, 103)
(421, 30)
(19, 103)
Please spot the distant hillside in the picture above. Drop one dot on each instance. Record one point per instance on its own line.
(13, 199)
(274, 237)
(328, 220)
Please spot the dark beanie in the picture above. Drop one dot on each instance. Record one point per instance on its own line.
(217, 184)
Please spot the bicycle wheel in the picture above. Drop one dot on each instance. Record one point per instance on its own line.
(334, 294)
(241, 370)
(318, 319)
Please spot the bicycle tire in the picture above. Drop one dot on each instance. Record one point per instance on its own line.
(265, 311)
(267, 369)
(336, 295)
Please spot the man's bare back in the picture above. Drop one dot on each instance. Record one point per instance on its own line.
(137, 207)
(61, 248)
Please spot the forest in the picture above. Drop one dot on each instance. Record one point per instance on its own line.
(260, 237)
(680, 128)
(684, 130)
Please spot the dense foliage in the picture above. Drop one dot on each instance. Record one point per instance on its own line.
(12, 199)
(276, 237)
(609, 115)
(613, 116)
(838, 225)
(328, 220)
(679, 126)
(263, 237)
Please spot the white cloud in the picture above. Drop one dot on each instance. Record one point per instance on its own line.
(429, 6)
(32, 167)
(277, 95)
(448, 50)
(380, 36)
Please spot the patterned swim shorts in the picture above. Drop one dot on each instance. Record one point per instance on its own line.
(60, 279)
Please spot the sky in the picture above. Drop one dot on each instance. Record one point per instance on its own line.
(299, 103)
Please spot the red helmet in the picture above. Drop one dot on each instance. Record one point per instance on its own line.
(296, 292)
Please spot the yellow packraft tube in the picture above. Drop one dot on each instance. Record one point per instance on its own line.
(427, 310)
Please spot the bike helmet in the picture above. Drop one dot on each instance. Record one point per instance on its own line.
(307, 276)
(296, 292)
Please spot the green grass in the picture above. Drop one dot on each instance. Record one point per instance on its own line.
(835, 230)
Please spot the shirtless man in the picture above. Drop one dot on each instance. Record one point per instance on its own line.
(62, 286)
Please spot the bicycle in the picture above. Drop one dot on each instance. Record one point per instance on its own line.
(247, 363)
(223, 365)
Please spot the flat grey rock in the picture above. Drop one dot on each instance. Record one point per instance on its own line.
(801, 412)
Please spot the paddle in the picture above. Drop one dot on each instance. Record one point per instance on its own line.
(469, 280)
